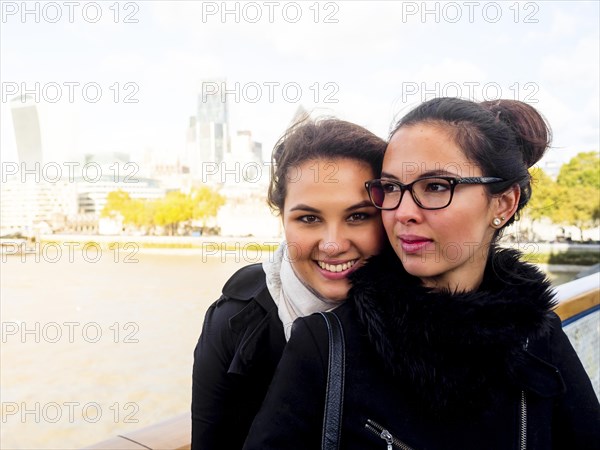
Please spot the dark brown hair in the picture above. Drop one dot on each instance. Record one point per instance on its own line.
(325, 138)
(503, 137)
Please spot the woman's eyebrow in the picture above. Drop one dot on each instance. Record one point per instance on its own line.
(438, 172)
(303, 207)
(388, 175)
(429, 173)
(363, 204)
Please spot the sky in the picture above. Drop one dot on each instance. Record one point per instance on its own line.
(125, 76)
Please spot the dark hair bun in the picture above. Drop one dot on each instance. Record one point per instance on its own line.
(532, 132)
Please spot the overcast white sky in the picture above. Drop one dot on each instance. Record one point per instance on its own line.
(374, 59)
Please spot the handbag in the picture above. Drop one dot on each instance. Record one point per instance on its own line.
(334, 393)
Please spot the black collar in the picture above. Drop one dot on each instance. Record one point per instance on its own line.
(451, 349)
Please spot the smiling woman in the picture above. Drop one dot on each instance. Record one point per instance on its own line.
(330, 226)
(450, 341)
(331, 229)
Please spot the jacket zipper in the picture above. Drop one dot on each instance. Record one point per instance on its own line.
(384, 434)
(523, 421)
(390, 440)
(523, 440)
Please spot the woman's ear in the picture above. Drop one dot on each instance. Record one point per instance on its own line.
(505, 204)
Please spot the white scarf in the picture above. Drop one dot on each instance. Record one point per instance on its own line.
(291, 295)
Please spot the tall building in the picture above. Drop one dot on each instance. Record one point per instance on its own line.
(207, 141)
(28, 136)
(192, 156)
(213, 121)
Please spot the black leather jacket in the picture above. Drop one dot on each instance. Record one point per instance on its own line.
(241, 343)
(487, 369)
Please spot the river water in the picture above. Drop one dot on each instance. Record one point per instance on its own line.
(94, 346)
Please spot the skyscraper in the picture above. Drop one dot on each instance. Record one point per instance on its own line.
(213, 121)
(26, 124)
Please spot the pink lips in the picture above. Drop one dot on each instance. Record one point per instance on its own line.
(412, 243)
(337, 275)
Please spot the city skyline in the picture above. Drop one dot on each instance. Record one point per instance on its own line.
(134, 85)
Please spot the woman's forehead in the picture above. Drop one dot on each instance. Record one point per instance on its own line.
(423, 148)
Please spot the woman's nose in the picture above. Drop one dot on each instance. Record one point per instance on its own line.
(408, 210)
(334, 241)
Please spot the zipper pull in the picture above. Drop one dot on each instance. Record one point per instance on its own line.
(386, 435)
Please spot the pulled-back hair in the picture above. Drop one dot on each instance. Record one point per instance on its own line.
(325, 138)
(503, 137)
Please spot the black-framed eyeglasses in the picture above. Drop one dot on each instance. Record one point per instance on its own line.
(433, 192)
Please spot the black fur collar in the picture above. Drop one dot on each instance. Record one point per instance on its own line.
(451, 349)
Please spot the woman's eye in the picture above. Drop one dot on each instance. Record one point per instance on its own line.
(389, 187)
(308, 219)
(356, 217)
(436, 187)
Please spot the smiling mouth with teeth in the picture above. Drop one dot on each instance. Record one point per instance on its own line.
(336, 267)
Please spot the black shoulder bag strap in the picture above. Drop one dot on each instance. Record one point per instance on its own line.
(334, 394)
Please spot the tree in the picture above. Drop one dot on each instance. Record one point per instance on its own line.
(582, 170)
(117, 202)
(579, 209)
(579, 191)
(206, 203)
(141, 213)
(135, 212)
(545, 198)
(174, 208)
(168, 212)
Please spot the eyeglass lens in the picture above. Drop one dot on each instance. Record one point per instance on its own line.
(428, 193)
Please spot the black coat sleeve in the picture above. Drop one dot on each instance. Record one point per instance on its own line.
(213, 389)
(291, 416)
(576, 419)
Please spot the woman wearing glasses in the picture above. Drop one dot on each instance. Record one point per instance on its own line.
(331, 229)
(450, 341)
